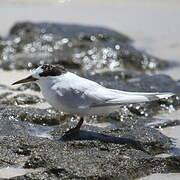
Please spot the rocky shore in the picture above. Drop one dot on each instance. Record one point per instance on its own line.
(127, 147)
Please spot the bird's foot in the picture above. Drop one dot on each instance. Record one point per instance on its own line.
(72, 132)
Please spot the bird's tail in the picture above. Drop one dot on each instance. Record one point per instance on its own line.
(153, 96)
(138, 97)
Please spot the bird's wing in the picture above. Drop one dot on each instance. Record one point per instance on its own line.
(79, 94)
(84, 93)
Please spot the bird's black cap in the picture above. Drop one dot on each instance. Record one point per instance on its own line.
(52, 70)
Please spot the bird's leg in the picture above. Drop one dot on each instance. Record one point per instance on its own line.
(79, 124)
(76, 129)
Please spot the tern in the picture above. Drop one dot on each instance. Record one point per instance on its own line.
(70, 93)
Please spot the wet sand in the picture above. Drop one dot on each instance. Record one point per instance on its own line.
(154, 26)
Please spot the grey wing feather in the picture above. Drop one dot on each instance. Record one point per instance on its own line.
(122, 97)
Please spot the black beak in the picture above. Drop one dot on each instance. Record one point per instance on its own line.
(26, 80)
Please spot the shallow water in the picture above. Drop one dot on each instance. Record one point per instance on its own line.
(154, 25)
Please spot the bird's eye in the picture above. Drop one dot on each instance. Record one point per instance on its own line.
(47, 67)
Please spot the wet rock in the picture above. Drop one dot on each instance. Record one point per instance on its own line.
(161, 123)
(7, 157)
(15, 121)
(23, 149)
(131, 81)
(142, 113)
(74, 46)
(154, 83)
(14, 127)
(94, 153)
(35, 162)
(11, 96)
(86, 160)
(27, 99)
(4, 96)
(71, 30)
(110, 78)
(85, 135)
(32, 86)
(33, 115)
(20, 99)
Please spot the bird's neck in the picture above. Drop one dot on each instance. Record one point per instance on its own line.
(46, 83)
(50, 81)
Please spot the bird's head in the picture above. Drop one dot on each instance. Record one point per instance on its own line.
(43, 72)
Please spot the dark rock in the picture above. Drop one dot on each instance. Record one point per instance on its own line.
(91, 135)
(71, 30)
(110, 76)
(86, 160)
(94, 153)
(130, 81)
(9, 95)
(23, 149)
(35, 161)
(74, 46)
(14, 122)
(11, 126)
(154, 83)
(27, 99)
(33, 115)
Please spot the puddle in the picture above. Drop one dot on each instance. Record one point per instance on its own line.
(169, 176)
(173, 132)
(10, 172)
(104, 125)
(40, 131)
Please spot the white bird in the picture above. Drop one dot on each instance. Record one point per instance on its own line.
(70, 93)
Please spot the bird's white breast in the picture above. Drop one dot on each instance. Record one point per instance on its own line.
(50, 93)
(55, 90)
